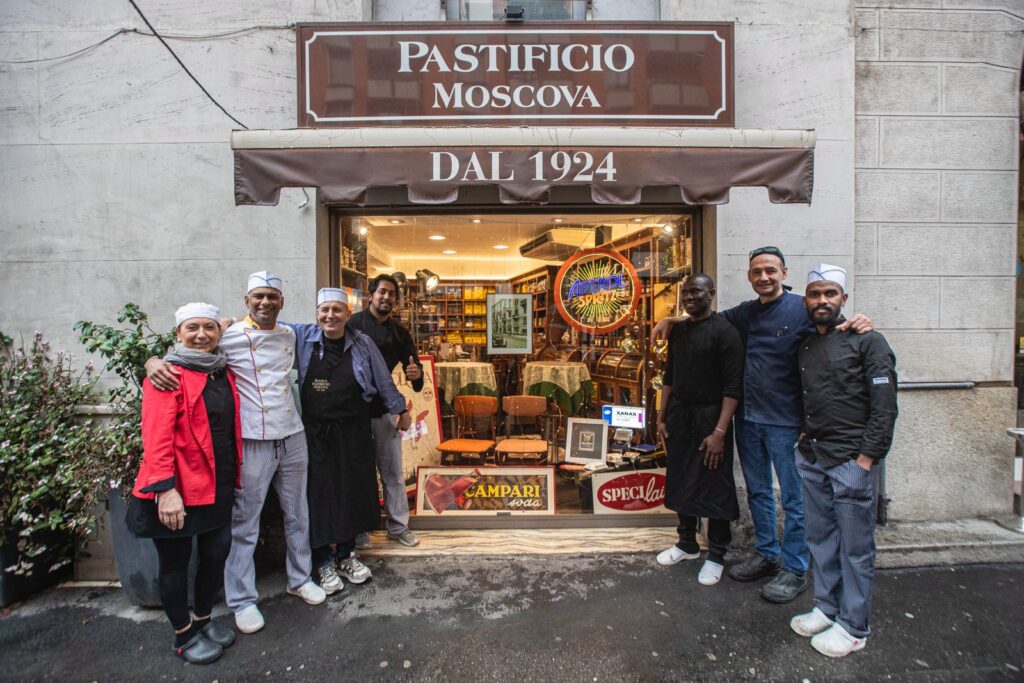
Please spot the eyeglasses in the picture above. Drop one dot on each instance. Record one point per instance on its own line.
(771, 251)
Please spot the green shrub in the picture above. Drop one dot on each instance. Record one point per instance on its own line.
(48, 483)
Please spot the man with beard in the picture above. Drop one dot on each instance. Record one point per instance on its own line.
(396, 345)
(702, 386)
(261, 353)
(849, 385)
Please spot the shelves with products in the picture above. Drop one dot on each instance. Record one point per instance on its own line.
(455, 313)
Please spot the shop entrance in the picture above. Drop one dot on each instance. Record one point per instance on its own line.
(518, 393)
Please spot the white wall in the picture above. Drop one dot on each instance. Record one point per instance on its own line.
(116, 176)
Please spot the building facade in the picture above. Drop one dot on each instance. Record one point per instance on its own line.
(117, 179)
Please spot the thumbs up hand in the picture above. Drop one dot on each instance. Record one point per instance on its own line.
(413, 371)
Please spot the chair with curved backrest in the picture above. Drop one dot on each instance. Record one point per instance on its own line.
(519, 411)
(474, 416)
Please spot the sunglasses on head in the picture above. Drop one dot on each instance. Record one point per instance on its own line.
(771, 251)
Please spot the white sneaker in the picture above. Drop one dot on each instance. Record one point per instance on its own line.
(710, 573)
(836, 642)
(674, 555)
(810, 623)
(364, 542)
(354, 570)
(311, 593)
(249, 620)
(329, 579)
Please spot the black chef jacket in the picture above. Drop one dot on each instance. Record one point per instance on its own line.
(849, 392)
(395, 344)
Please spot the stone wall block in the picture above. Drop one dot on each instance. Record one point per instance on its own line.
(977, 302)
(979, 197)
(952, 355)
(946, 250)
(834, 12)
(897, 196)
(865, 248)
(131, 89)
(897, 88)
(979, 89)
(19, 93)
(904, 303)
(990, 37)
(866, 138)
(865, 22)
(950, 456)
(948, 143)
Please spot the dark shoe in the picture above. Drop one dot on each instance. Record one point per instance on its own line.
(754, 568)
(784, 587)
(222, 635)
(199, 650)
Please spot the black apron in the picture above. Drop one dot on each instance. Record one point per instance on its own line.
(343, 499)
(691, 488)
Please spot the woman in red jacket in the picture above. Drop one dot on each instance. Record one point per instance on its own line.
(192, 456)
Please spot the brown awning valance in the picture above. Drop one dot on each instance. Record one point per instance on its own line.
(523, 163)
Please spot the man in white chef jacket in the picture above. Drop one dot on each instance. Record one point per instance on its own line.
(261, 354)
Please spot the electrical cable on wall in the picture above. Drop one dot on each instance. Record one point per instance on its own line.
(182, 64)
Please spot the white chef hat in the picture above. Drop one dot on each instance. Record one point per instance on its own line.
(264, 278)
(828, 272)
(331, 294)
(196, 309)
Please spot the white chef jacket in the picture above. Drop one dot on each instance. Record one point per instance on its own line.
(262, 362)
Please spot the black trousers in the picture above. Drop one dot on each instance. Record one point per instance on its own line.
(324, 555)
(174, 554)
(719, 537)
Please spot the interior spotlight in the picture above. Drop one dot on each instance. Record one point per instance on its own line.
(429, 279)
(403, 284)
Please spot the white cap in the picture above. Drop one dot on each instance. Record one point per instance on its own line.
(196, 309)
(828, 272)
(264, 278)
(331, 294)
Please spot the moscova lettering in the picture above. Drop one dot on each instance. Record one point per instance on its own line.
(597, 285)
(505, 96)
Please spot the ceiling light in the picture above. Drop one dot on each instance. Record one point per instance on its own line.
(362, 230)
(476, 220)
(501, 246)
(395, 221)
(638, 220)
(668, 228)
(437, 238)
(448, 251)
(558, 220)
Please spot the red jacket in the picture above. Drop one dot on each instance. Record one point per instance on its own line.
(176, 439)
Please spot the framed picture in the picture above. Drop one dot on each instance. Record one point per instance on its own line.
(586, 441)
(509, 323)
(485, 491)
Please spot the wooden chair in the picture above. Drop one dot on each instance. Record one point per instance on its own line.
(519, 410)
(475, 415)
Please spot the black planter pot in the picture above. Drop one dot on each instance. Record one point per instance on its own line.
(14, 587)
(138, 567)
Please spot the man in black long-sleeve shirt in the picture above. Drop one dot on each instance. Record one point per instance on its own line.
(397, 347)
(849, 398)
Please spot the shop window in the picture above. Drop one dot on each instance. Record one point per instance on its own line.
(535, 10)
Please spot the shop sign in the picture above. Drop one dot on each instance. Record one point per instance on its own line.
(579, 73)
(597, 290)
(488, 491)
(640, 491)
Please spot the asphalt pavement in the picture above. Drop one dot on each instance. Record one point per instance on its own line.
(538, 618)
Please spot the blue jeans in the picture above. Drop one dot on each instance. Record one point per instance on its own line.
(760, 447)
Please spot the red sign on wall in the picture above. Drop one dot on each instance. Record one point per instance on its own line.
(617, 492)
(597, 290)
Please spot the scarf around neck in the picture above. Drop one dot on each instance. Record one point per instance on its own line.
(193, 359)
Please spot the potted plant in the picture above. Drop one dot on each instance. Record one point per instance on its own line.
(126, 349)
(47, 483)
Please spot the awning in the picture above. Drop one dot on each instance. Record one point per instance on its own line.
(524, 163)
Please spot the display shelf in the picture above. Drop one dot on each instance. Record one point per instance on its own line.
(454, 313)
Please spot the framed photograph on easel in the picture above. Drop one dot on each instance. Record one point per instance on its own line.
(586, 441)
(509, 324)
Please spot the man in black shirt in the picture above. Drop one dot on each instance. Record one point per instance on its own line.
(397, 347)
(849, 398)
(702, 387)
